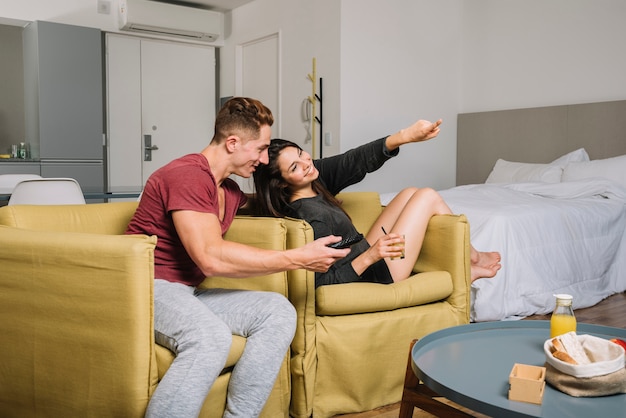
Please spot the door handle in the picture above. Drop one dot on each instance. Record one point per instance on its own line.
(148, 147)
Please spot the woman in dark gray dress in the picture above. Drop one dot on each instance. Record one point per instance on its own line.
(292, 184)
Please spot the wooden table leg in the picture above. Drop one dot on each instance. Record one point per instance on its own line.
(416, 395)
(411, 382)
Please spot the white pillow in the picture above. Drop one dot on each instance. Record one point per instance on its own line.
(512, 172)
(575, 156)
(611, 168)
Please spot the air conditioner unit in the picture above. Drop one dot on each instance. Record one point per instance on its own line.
(164, 19)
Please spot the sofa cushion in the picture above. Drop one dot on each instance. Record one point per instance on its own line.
(354, 298)
(363, 208)
(266, 233)
(260, 232)
(97, 218)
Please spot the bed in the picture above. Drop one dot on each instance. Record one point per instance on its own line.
(554, 238)
(547, 188)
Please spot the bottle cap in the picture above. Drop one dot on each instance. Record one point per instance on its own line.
(563, 296)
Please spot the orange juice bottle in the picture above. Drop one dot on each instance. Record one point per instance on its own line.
(563, 319)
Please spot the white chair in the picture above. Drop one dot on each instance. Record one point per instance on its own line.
(47, 191)
(8, 181)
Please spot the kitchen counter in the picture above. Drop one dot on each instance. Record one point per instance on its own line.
(19, 160)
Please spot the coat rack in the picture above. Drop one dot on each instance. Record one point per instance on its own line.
(313, 99)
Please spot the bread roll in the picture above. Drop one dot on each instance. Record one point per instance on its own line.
(563, 356)
(557, 346)
(567, 348)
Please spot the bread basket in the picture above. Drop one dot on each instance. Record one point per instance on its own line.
(606, 357)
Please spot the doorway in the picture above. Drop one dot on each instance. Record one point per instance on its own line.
(160, 105)
(257, 67)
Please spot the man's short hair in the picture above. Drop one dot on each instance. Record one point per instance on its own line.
(241, 115)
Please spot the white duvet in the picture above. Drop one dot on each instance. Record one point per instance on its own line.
(554, 238)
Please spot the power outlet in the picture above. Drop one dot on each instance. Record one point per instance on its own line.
(104, 7)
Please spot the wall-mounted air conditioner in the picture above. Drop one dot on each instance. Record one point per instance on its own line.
(164, 19)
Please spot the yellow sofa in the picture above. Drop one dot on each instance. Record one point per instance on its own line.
(348, 355)
(77, 306)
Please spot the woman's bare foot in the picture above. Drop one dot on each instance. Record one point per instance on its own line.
(484, 264)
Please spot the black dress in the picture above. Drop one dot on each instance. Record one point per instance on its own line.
(337, 173)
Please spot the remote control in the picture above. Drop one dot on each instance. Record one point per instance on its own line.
(347, 242)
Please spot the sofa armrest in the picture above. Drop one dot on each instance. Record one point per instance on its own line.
(446, 247)
(77, 311)
(357, 298)
(303, 350)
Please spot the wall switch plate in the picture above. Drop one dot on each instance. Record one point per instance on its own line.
(104, 7)
(328, 139)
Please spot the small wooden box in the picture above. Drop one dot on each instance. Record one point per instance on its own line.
(527, 383)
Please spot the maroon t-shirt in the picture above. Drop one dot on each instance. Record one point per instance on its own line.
(184, 184)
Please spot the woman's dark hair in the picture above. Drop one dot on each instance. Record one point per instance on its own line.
(272, 196)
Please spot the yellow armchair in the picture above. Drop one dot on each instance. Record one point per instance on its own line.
(350, 348)
(77, 306)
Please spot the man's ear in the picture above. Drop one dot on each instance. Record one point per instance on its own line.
(232, 142)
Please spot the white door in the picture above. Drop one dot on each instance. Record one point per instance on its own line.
(159, 91)
(178, 93)
(258, 73)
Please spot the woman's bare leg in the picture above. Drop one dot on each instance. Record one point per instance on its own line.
(409, 213)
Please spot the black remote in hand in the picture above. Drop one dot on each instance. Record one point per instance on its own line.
(347, 242)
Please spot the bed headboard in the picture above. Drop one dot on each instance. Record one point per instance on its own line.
(537, 135)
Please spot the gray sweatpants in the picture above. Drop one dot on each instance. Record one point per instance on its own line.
(197, 325)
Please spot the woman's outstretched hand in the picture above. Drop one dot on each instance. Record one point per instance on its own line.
(420, 131)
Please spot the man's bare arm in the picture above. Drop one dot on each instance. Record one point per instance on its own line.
(201, 236)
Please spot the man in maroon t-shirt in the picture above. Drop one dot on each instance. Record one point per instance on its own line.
(189, 204)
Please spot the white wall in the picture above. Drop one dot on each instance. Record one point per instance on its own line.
(428, 59)
(388, 63)
(541, 53)
(377, 77)
(400, 63)
(307, 30)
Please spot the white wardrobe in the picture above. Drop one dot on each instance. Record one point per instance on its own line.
(161, 104)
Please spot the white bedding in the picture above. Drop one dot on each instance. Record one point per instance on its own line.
(554, 238)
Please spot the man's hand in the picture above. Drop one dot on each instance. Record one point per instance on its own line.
(317, 256)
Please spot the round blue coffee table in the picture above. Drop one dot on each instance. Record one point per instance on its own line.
(470, 365)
